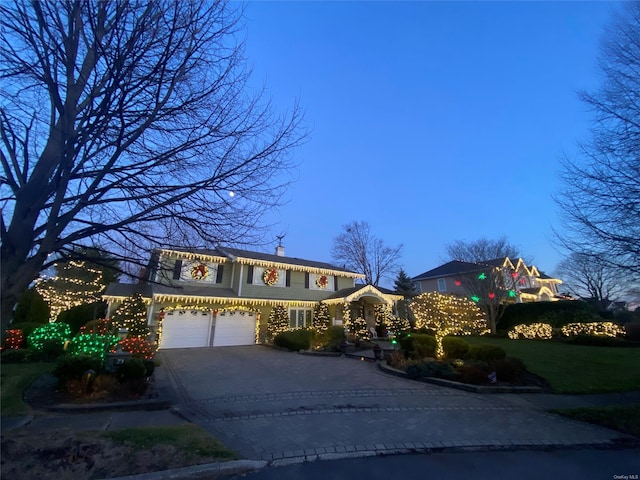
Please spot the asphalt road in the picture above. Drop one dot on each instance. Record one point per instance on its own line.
(585, 464)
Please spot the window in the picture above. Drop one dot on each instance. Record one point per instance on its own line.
(442, 285)
(299, 317)
(321, 282)
(258, 279)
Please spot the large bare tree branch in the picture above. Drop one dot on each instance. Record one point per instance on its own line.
(128, 123)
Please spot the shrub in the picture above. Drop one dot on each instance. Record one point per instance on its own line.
(294, 340)
(509, 369)
(138, 347)
(555, 313)
(418, 346)
(605, 329)
(52, 348)
(487, 353)
(16, 356)
(94, 345)
(104, 384)
(334, 336)
(633, 330)
(533, 331)
(31, 308)
(59, 332)
(475, 373)
(455, 347)
(27, 329)
(72, 367)
(13, 339)
(594, 341)
(79, 315)
(150, 366)
(432, 369)
(101, 326)
(132, 369)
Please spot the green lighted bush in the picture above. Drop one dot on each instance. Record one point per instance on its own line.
(92, 345)
(294, 340)
(56, 332)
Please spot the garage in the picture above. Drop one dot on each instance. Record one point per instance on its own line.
(186, 329)
(234, 327)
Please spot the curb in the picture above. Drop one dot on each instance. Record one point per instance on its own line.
(154, 404)
(384, 367)
(234, 467)
(628, 444)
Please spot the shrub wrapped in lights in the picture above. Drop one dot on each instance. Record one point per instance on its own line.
(138, 347)
(598, 329)
(13, 339)
(59, 332)
(92, 345)
(358, 327)
(447, 315)
(533, 331)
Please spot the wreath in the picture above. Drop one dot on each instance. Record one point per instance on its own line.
(199, 272)
(322, 281)
(270, 276)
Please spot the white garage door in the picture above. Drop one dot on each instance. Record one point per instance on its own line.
(235, 327)
(186, 329)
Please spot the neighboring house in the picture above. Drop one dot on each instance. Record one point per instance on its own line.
(529, 283)
(223, 296)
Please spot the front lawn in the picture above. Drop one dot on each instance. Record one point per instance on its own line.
(574, 368)
(15, 379)
(624, 418)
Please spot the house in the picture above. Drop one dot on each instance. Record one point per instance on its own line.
(527, 282)
(223, 296)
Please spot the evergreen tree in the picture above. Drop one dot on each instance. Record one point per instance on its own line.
(278, 320)
(132, 315)
(31, 308)
(404, 286)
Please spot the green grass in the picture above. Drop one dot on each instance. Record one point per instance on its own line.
(191, 441)
(15, 378)
(625, 419)
(574, 368)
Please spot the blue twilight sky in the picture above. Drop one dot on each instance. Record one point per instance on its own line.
(432, 121)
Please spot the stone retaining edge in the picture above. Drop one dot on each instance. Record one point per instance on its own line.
(384, 367)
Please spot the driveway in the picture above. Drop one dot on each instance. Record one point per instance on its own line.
(273, 405)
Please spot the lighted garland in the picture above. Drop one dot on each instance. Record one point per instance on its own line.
(92, 345)
(270, 276)
(598, 329)
(59, 332)
(322, 281)
(199, 271)
(533, 331)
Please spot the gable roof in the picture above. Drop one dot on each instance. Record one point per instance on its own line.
(454, 267)
(248, 257)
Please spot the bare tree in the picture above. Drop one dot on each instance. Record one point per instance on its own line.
(129, 123)
(359, 250)
(592, 279)
(600, 198)
(492, 285)
(481, 250)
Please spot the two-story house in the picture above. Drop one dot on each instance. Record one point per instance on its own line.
(529, 284)
(223, 296)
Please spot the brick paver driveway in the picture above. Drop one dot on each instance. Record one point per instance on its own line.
(269, 404)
